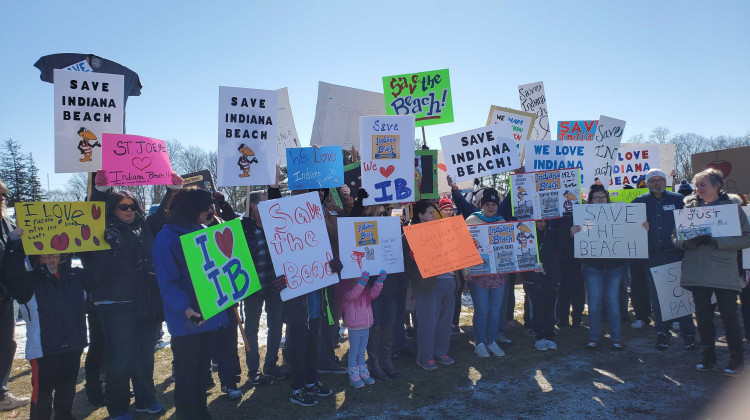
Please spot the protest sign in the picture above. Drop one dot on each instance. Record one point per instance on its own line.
(387, 156)
(731, 162)
(82, 65)
(626, 195)
(337, 114)
(633, 163)
(666, 157)
(425, 175)
(248, 136)
(287, 130)
(584, 130)
(544, 194)
(609, 133)
(61, 227)
(442, 246)
(550, 154)
(352, 179)
(505, 247)
(746, 251)
(311, 168)
(443, 187)
(135, 160)
(533, 101)
(479, 152)
(370, 244)
(613, 230)
(426, 95)
(522, 122)
(717, 221)
(674, 301)
(298, 242)
(87, 105)
(201, 180)
(220, 266)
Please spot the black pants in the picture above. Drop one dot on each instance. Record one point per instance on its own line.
(572, 292)
(225, 352)
(726, 300)
(192, 359)
(542, 310)
(745, 301)
(639, 294)
(55, 374)
(94, 357)
(301, 342)
(7, 344)
(329, 333)
(457, 307)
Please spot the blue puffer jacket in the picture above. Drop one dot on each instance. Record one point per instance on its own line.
(660, 216)
(175, 285)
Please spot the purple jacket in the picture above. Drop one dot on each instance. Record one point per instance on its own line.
(355, 301)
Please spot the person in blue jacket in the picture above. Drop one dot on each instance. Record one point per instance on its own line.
(192, 335)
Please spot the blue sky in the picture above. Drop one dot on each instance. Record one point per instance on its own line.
(684, 65)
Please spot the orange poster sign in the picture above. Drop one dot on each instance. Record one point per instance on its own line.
(442, 246)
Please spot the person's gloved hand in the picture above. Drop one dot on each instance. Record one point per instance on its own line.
(364, 278)
(100, 180)
(381, 276)
(694, 243)
(704, 239)
(279, 284)
(362, 194)
(424, 147)
(219, 198)
(336, 265)
(111, 236)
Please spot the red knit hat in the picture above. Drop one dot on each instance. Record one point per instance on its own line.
(445, 202)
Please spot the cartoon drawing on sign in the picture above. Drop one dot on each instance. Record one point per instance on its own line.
(357, 257)
(85, 145)
(570, 199)
(525, 237)
(244, 162)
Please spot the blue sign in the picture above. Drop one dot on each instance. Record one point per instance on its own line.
(309, 168)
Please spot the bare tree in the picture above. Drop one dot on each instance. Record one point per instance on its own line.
(77, 186)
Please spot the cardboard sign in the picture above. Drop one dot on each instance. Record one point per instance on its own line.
(717, 221)
(370, 244)
(387, 156)
(287, 130)
(425, 175)
(61, 227)
(87, 105)
(613, 230)
(220, 265)
(310, 168)
(584, 130)
(248, 136)
(633, 163)
(533, 101)
(298, 242)
(674, 301)
(746, 251)
(544, 194)
(606, 143)
(443, 187)
(733, 165)
(626, 195)
(200, 179)
(505, 248)
(442, 246)
(426, 95)
(479, 152)
(337, 114)
(135, 160)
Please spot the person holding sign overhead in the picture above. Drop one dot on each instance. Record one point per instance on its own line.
(710, 268)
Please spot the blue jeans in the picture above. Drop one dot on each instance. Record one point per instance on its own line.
(488, 303)
(357, 346)
(603, 283)
(253, 308)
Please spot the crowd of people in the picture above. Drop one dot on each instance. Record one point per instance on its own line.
(129, 290)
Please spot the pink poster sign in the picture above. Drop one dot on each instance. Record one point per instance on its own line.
(135, 160)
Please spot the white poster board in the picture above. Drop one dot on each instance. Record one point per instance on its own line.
(545, 155)
(370, 244)
(387, 156)
(509, 247)
(288, 137)
(632, 163)
(674, 301)
(717, 221)
(87, 105)
(666, 156)
(534, 101)
(544, 194)
(480, 152)
(609, 133)
(613, 230)
(248, 135)
(337, 114)
(298, 242)
(443, 188)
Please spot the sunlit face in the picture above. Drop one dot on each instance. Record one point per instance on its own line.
(52, 261)
(446, 211)
(598, 197)
(125, 210)
(427, 216)
(706, 190)
(657, 184)
(489, 209)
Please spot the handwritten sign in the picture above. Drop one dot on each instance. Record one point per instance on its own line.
(310, 168)
(337, 114)
(584, 130)
(387, 155)
(425, 175)
(674, 301)
(370, 244)
(544, 194)
(248, 136)
(61, 227)
(548, 154)
(298, 243)
(443, 187)
(220, 266)
(287, 130)
(442, 246)
(626, 195)
(82, 65)
(606, 143)
(612, 230)
(732, 163)
(87, 105)
(717, 221)
(533, 101)
(479, 152)
(201, 180)
(633, 163)
(505, 247)
(666, 156)
(135, 160)
(522, 122)
(426, 95)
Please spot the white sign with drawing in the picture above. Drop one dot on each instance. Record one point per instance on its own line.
(717, 221)
(370, 244)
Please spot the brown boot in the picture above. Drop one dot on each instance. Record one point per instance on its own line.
(386, 351)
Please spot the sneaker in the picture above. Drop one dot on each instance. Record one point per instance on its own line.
(332, 368)
(455, 330)
(688, 343)
(662, 342)
(233, 393)
(318, 389)
(481, 350)
(551, 344)
(445, 360)
(254, 377)
(354, 379)
(502, 339)
(618, 346)
(734, 369)
(704, 366)
(11, 401)
(495, 349)
(428, 365)
(302, 398)
(592, 345)
(638, 324)
(152, 409)
(364, 373)
(275, 372)
(541, 345)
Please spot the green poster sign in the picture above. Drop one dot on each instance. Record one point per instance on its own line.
(626, 195)
(220, 266)
(427, 95)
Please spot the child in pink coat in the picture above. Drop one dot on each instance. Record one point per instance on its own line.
(357, 314)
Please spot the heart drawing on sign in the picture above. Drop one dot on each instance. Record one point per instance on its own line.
(723, 166)
(225, 241)
(95, 212)
(386, 172)
(141, 163)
